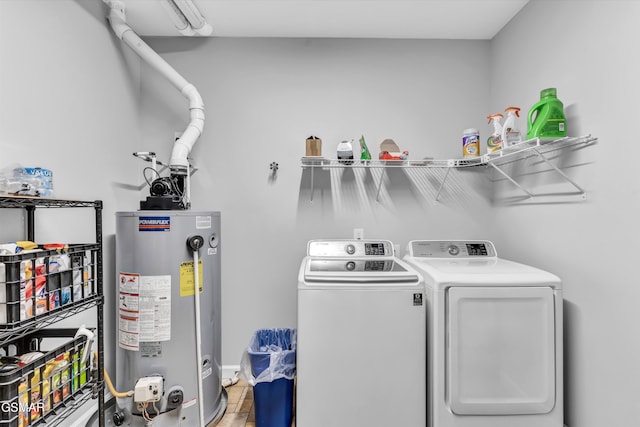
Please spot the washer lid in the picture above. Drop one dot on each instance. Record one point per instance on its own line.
(470, 272)
(447, 263)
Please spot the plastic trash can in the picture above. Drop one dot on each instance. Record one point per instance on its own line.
(269, 365)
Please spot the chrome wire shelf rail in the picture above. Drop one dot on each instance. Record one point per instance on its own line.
(44, 202)
(325, 163)
(59, 415)
(536, 147)
(42, 321)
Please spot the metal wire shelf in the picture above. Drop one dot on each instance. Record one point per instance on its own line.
(39, 322)
(59, 416)
(536, 147)
(44, 202)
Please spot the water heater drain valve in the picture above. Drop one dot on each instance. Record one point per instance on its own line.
(148, 389)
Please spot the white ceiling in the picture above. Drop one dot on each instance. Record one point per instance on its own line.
(412, 19)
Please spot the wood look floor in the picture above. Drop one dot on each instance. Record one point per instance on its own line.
(239, 411)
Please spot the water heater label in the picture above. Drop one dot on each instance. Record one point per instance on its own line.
(155, 308)
(144, 310)
(151, 349)
(187, 278)
(129, 311)
(203, 222)
(154, 223)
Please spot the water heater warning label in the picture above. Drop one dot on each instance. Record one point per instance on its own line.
(151, 349)
(144, 310)
(154, 223)
(187, 276)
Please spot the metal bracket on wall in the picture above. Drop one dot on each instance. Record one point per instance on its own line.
(446, 175)
(537, 148)
(313, 163)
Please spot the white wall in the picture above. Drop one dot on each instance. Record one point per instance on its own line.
(69, 99)
(263, 97)
(584, 50)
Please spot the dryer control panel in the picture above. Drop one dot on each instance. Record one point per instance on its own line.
(350, 248)
(452, 249)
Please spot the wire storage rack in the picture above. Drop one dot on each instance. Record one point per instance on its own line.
(63, 293)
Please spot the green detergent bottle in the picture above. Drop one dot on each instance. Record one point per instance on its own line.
(549, 121)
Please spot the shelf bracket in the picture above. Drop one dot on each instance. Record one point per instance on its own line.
(446, 175)
(581, 191)
(311, 198)
(503, 173)
(562, 174)
(380, 184)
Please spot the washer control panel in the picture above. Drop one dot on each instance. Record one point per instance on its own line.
(451, 249)
(350, 248)
(355, 265)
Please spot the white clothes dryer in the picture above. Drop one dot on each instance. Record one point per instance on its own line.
(361, 342)
(494, 349)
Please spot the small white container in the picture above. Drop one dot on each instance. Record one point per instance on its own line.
(470, 143)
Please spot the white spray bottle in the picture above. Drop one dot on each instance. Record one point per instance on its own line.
(510, 134)
(494, 142)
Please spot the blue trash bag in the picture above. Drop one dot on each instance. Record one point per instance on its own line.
(271, 355)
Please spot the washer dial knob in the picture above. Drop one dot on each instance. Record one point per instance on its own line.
(453, 250)
(350, 266)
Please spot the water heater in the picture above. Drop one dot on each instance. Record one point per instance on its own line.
(160, 257)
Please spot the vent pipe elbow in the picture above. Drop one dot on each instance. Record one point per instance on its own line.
(178, 162)
(117, 18)
(182, 147)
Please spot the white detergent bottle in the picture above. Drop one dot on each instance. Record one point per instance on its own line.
(494, 142)
(510, 133)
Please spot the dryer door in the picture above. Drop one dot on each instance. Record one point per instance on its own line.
(501, 350)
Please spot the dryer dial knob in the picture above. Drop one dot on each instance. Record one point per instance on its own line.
(350, 249)
(453, 250)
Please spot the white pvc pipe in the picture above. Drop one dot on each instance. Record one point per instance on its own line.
(196, 290)
(182, 147)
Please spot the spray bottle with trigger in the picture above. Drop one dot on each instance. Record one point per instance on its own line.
(494, 142)
(510, 134)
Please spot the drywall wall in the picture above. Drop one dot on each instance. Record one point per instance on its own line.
(69, 103)
(582, 49)
(263, 98)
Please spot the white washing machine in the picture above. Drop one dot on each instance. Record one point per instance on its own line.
(494, 337)
(361, 337)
